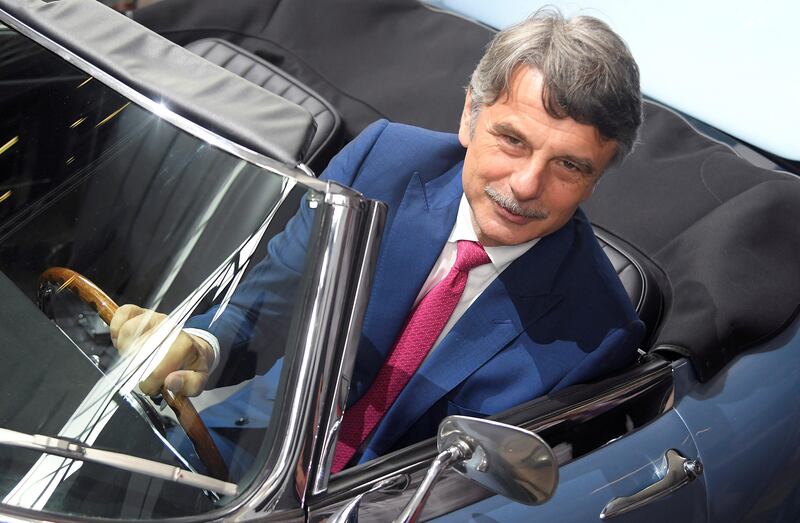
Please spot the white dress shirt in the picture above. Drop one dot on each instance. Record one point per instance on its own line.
(479, 277)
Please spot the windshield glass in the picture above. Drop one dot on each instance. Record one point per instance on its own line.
(94, 186)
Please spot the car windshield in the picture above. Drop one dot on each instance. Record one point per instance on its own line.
(95, 186)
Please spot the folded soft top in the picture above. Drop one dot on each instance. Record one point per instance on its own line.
(165, 72)
(723, 231)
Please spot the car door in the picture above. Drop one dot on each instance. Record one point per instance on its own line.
(620, 469)
(611, 438)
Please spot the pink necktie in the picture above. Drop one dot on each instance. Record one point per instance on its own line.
(422, 329)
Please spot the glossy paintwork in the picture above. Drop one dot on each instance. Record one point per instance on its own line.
(745, 428)
(746, 424)
(618, 469)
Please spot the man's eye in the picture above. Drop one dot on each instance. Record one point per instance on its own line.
(511, 140)
(571, 167)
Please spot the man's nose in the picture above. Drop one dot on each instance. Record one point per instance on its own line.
(528, 180)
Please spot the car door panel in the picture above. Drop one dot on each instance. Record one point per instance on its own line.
(621, 468)
(746, 423)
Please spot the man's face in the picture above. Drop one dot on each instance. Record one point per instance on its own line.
(525, 172)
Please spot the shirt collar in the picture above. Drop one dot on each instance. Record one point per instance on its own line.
(501, 256)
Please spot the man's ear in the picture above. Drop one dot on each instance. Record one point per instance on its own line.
(464, 128)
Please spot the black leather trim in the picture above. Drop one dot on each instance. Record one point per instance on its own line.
(645, 284)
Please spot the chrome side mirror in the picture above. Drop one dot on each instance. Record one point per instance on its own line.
(507, 460)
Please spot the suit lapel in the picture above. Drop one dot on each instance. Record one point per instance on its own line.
(512, 303)
(493, 321)
(419, 230)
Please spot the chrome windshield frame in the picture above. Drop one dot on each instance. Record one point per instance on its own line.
(343, 263)
(347, 246)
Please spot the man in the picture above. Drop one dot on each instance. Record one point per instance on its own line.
(490, 288)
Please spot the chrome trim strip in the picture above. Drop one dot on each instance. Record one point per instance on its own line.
(331, 291)
(616, 396)
(342, 357)
(299, 172)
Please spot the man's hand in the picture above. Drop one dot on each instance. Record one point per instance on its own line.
(185, 367)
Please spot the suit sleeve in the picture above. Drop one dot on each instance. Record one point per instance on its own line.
(261, 306)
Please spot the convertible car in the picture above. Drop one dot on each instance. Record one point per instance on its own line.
(152, 159)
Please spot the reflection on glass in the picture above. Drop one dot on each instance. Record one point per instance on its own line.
(153, 217)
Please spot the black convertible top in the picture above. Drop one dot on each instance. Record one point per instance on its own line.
(165, 72)
(722, 233)
(725, 233)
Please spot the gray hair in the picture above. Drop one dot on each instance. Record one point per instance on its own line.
(588, 73)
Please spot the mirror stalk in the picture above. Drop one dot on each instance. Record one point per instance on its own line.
(456, 452)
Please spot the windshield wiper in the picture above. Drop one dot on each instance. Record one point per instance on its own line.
(74, 450)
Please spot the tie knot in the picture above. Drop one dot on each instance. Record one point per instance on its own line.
(470, 255)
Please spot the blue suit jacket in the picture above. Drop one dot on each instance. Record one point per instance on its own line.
(558, 315)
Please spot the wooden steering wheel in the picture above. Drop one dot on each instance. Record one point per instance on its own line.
(187, 415)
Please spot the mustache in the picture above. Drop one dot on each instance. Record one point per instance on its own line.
(511, 205)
